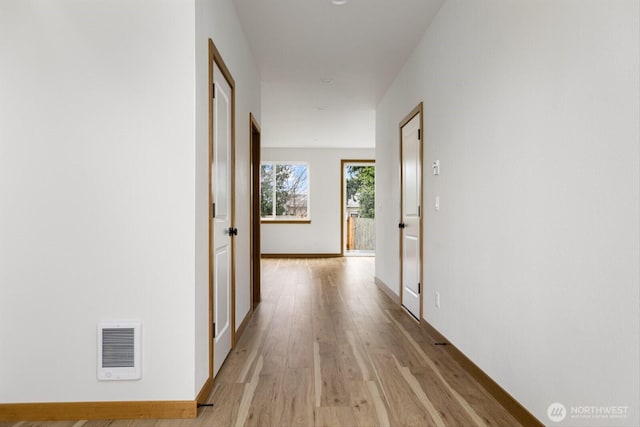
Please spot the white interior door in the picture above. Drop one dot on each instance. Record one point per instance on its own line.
(410, 230)
(221, 177)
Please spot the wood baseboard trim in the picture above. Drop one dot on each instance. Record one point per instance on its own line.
(243, 325)
(205, 391)
(387, 290)
(63, 411)
(507, 401)
(301, 255)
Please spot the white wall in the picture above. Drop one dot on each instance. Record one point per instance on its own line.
(217, 19)
(322, 236)
(532, 109)
(100, 182)
(97, 198)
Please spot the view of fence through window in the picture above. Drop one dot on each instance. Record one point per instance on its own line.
(360, 209)
(284, 190)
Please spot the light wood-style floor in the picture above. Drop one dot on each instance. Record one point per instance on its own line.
(326, 347)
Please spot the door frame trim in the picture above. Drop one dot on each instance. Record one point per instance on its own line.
(418, 110)
(343, 163)
(216, 58)
(256, 217)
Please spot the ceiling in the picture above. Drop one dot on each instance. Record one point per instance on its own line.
(325, 67)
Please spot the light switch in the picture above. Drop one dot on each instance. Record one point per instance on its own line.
(436, 203)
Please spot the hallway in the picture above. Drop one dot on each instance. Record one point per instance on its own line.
(327, 319)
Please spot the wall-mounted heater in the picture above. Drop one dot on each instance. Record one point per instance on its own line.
(119, 351)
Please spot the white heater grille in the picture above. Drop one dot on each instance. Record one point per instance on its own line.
(119, 351)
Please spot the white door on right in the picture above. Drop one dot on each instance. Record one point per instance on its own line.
(410, 227)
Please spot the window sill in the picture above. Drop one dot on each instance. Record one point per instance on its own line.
(285, 221)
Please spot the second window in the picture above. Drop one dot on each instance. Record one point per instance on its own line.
(284, 191)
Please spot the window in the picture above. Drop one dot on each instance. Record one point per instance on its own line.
(284, 190)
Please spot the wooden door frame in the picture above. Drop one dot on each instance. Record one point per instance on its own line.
(216, 58)
(417, 110)
(256, 216)
(343, 163)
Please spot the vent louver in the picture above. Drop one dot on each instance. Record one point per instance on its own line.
(117, 348)
(119, 351)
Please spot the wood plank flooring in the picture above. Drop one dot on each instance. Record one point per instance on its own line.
(326, 347)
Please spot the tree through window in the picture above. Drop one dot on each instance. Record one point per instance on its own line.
(361, 187)
(284, 190)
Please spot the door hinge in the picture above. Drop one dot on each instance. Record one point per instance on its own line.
(418, 210)
(213, 210)
(214, 329)
(419, 134)
(418, 287)
(213, 91)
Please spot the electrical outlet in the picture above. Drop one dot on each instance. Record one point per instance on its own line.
(437, 299)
